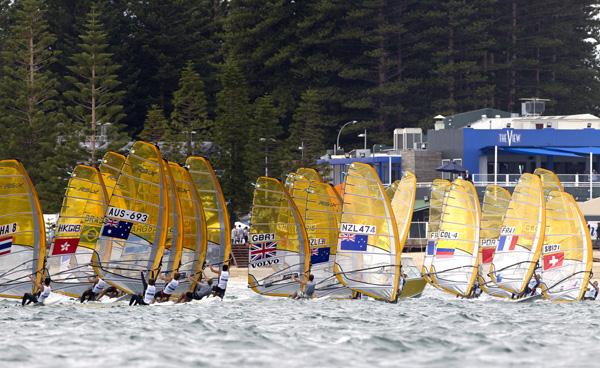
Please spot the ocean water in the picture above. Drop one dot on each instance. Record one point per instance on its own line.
(248, 330)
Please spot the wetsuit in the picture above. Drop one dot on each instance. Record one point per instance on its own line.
(168, 290)
(201, 291)
(309, 290)
(38, 298)
(148, 298)
(92, 293)
(219, 290)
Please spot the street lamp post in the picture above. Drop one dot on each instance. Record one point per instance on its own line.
(189, 134)
(301, 148)
(266, 143)
(337, 146)
(364, 135)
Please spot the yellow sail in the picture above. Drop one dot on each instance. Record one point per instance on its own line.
(174, 243)
(218, 228)
(72, 255)
(550, 181)
(22, 234)
(454, 266)
(439, 188)
(368, 251)
(290, 179)
(279, 246)
(403, 204)
(194, 227)
(391, 190)
(309, 174)
(321, 208)
(567, 250)
(521, 236)
(110, 167)
(135, 224)
(495, 204)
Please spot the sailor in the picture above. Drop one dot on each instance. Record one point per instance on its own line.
(307, 287)
(96, 291)
(239, 234)
(476, 290)
(234, 235)
(592, 292)
(42, 294)
(219, 289)
(172, 284)
(534, 283)
(148, 292)
(246, 234)
(203, 289)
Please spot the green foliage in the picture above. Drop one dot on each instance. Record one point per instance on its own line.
(263, 139)
(94, 99)
(189, 120)
(156, 126)
(35, 131)
(233, 115)
(306, 130)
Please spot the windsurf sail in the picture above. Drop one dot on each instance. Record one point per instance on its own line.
(321, 208)
(194, 227)
(279, 246)
(567, 250)
(22, 232)
(218, 228)
(550, 181)
(439, 188)
(495, 204)
(174, 243)
(110, 168)
(135, 223)
(309, 174)
(521, 236)
(403, 204)
(368, 251)
(454, 267)
(71, 259)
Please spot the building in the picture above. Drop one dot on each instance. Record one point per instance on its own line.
(408, 153)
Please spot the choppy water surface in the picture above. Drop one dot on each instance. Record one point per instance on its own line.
(249, 330)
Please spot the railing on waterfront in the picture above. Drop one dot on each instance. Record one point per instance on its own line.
(509, 180)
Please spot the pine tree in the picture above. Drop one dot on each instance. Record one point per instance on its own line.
(306, 129)
(262, 138)
(156, 126)
(233, 112)
(189, 120)
(35, 131)
(95, 98)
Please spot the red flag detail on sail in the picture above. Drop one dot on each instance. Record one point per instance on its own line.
(487, 255)
(553, 260)
(65, 246)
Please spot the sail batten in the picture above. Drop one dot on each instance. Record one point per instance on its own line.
(369, 238)
(71, 262)
(279, 244)
(24, 242)
(567, 250)
(521, 236)
(135, 224)
(218, 227)
(455, 262)
(439, 188)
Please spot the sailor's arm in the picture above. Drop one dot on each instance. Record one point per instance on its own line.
(215, 270)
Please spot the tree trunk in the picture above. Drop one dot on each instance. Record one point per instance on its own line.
(513, 74)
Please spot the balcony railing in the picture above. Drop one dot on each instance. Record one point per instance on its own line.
(567, 180)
